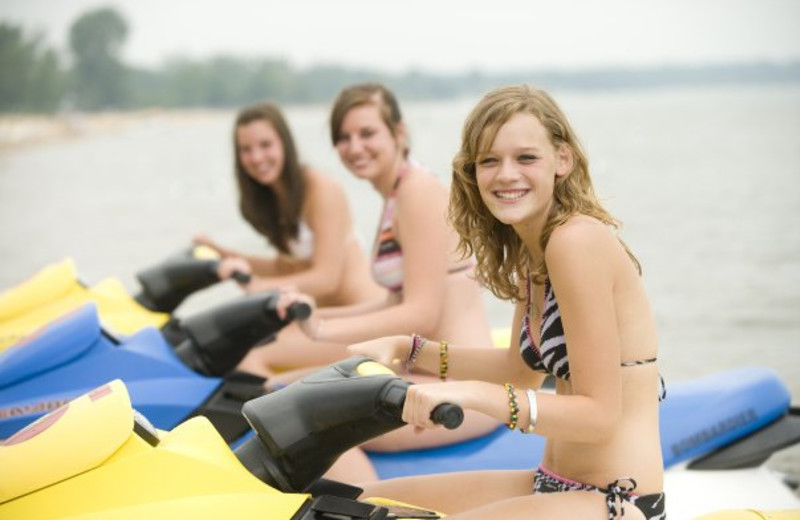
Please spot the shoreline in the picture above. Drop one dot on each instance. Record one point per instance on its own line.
(23, 130)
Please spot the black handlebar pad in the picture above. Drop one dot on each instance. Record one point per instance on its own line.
(166, 285)
(302, 429)
(219, 338)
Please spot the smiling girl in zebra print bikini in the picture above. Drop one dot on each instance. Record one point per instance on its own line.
(523, 203)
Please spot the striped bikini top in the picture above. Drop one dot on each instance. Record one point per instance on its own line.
(387, 255)
(550, 356)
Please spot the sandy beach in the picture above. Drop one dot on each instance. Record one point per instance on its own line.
(31, 129)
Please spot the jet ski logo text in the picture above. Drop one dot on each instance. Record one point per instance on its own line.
(46, 406)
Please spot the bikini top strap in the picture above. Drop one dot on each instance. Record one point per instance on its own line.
(401, 172)
(387, 219)
(662, 391)
(528, 296)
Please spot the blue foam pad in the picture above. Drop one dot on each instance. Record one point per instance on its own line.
(697, 417)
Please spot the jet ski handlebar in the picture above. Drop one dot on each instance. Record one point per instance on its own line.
(219, 338)
(166, 285)
(303, 428)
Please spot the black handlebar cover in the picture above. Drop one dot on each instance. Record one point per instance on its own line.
(218, 339)
(303, 428)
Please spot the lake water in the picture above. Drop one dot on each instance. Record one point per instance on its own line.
(706, 182)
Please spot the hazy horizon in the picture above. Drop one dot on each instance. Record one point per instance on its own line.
(442, 37)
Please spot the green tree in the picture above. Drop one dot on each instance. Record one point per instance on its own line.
(99, 76)
(184, 83)
(32, 79)
(270, 79)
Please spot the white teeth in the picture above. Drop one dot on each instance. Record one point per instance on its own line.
(510, 195)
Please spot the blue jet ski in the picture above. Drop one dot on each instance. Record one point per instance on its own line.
(300, 431)
(169, 384)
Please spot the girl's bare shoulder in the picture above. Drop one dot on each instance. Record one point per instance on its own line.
(580, 228)
(325, 197)
(321, 184)
(420, 184)
(581, 234)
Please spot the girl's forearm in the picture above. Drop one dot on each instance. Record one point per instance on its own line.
(308, 282)
(355, 309)
(263, 267)
(389, 321)
(484, 363)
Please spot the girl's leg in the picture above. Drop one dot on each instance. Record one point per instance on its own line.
(406, 438)
(352, 466)
(548, 506)
(453, 492)
(507, 494)
(291, 350)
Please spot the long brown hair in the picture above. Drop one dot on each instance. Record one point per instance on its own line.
(366, 94)
(500, 253)
(277, 220)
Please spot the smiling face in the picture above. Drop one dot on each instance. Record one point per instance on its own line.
(260, 151)
(516, 175)
(366, 145)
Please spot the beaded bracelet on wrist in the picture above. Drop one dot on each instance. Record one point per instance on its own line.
(443, 361)
(417, 342)
(513, 407)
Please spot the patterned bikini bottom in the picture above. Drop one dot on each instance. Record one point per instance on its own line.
(617, 492)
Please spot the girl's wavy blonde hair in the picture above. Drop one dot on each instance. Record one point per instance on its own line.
(500, 253)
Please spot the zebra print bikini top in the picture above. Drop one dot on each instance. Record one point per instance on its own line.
(551, 355)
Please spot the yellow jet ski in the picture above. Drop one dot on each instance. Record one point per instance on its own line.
(97, 458)
(57, 290)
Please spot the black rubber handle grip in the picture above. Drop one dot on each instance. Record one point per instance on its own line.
(298, 311)
(448, 415)
(242, 278)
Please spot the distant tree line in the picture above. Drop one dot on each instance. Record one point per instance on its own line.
(35, 79)
(31, 79)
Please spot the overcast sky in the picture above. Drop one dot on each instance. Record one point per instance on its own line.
(440, 35)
